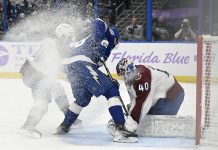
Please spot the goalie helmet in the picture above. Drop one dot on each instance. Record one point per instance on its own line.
(64, 31)
(125, 68)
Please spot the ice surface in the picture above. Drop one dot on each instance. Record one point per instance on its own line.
(16, 101)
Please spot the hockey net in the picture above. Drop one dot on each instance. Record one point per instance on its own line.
(207, 91)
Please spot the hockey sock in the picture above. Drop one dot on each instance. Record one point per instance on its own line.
(70, 117)
(115, 110)
(31, 122)
(117, 114)
(62, 103)
(36, 113)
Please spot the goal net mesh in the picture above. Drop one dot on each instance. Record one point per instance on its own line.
(207, 91)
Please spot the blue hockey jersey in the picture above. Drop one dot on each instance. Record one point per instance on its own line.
(98, 44)
(85, 59)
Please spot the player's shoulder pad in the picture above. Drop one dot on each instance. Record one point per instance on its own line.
(48, 41)
(99, 24)
(105, 43)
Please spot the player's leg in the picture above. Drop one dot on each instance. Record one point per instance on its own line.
(31, 79)
(34, 117)
(42, 97)
(62, 102)
(30, 75)
(116, 126)
(60, 97)
(78, 81)
(102, 85)
(99, 84)
(114, 105)
(167, 106)
(85, 82)
(83, 97)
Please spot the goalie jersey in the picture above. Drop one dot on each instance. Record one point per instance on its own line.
(150, 85)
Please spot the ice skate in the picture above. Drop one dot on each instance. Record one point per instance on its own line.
(77, 124)
(122, 135)
(30, 131)
(111, 127)
(62, 129)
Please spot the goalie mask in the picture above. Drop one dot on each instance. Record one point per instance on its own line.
(126, 69)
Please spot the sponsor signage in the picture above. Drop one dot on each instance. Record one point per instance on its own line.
(176, 58)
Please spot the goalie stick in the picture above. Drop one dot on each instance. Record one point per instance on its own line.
(110, 76)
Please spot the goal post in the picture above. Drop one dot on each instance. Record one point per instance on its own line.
(207, 90)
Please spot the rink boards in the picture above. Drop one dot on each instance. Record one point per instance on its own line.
(179, 59)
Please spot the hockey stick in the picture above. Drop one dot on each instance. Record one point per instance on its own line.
(110, 76)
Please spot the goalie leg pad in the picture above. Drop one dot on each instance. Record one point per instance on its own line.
(167, 126)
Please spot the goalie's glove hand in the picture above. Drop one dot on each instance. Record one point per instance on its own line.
(130, 124)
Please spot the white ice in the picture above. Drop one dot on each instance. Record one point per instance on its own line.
(16, 101)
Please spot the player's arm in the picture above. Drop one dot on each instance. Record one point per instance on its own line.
(100, 51)
(141, 89)
(137, 98)
(137, 102)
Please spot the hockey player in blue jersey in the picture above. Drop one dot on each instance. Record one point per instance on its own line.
(87, 80)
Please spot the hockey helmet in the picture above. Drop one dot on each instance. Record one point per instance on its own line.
(64, 31)
(125, 67)
(114, 35)
(115, 32)
(98, 25)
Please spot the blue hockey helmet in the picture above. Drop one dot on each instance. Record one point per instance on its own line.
(115, 32)
(98, 25)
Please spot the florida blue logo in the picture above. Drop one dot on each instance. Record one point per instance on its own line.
(3, 56)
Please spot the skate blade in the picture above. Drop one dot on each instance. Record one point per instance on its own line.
(30, 134)
(59, 133)
(111, 130)
(126, 140)
(76, 125)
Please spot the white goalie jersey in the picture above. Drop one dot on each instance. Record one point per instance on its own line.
(148, 87)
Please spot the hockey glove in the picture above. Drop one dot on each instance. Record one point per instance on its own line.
(99, 63)
(116, 83)
(130, 124)
(128, 106)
